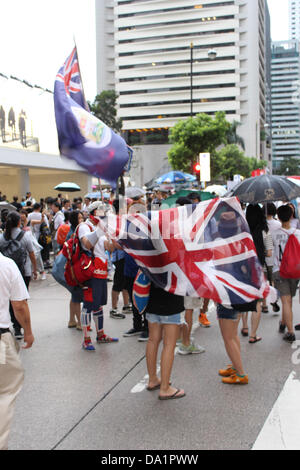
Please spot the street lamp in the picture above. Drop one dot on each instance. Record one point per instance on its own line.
(211, 54)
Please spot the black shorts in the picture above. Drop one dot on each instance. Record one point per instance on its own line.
(96, 294)
(119, 279)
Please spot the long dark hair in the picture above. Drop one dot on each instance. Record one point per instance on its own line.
(256, 218)
(73, 218)
(257, 222)
(12, 221)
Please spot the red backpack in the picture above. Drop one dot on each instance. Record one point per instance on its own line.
(80, 265)
(290, 261)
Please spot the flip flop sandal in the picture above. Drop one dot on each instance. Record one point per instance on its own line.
(151, 389)
(157, 387)
(172, 397)
(244, 331)
(255, 338)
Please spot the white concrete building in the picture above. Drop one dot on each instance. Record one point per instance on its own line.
(153, 65)
(105, 44)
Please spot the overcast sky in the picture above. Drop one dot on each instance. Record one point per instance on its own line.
(37, 37)
(279, 11)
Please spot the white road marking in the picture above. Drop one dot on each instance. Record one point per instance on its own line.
(281, 431)
(142, 385)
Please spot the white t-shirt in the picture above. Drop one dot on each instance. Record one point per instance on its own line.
(280, 239)
(36, 227)
(273, 225)
(295, 223)
(12, 287)
(58, 220)
(84, 231)
(268, 244)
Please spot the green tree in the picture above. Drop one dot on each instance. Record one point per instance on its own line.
(104, 108)
(289, 167)
(200, 134)
(233, 137)
(233, 161)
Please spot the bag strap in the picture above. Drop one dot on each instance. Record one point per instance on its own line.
(20, 236)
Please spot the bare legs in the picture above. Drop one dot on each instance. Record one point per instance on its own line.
(169, 333)
(287, 312)
(229, 330)
(115, 298)
(187, 327)
(75, 312)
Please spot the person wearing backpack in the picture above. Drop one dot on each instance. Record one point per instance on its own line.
(287, 287)
(92, 239)
(17, 245)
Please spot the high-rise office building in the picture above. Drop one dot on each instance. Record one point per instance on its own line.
(153, 65)
(294, 19)
(105, 44)
(285, 101)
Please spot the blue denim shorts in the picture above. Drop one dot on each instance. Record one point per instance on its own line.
(164, 319)
(224, 313)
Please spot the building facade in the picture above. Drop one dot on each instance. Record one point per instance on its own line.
(105, 45)
(294, 19)
(285, 101)
(153, 41)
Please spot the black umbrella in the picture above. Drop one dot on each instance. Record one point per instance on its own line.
(265, 188)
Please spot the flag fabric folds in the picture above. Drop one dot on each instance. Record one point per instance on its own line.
(204, 250)
(83, 137)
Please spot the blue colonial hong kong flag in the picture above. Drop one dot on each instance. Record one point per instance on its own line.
(83, 137)
(204, 250)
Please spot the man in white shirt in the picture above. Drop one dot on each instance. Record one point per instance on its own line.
(273, 225)
(92, 238)
(12, 289)
(58, 219)
(35, 219)
(30, 198)
(287, 287)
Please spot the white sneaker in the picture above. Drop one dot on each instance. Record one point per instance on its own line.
(44, 277)
(191, 349)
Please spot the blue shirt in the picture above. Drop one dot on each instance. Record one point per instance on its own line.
(130, 268)
(117, 255)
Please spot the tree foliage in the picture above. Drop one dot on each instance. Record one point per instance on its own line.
(233, 137)
(200, 134)
(289, 167)
(104, 108)
(205, 133)
(233, 161)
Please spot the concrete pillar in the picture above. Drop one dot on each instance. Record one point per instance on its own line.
(23, 181)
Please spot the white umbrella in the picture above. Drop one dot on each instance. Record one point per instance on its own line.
(133, 191)
(7, 205)
(217, 189)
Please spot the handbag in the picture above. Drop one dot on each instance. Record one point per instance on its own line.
(80, 265)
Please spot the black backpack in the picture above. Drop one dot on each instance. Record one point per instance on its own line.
(45, 235)
(14, 250)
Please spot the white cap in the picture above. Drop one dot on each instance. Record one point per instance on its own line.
(97, 205)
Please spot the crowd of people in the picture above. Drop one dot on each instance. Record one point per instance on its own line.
(42, 228)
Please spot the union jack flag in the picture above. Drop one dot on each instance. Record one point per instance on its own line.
(82, 136)
(204, 250)
(69, 74)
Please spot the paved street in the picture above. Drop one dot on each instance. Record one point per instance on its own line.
(73, 399)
